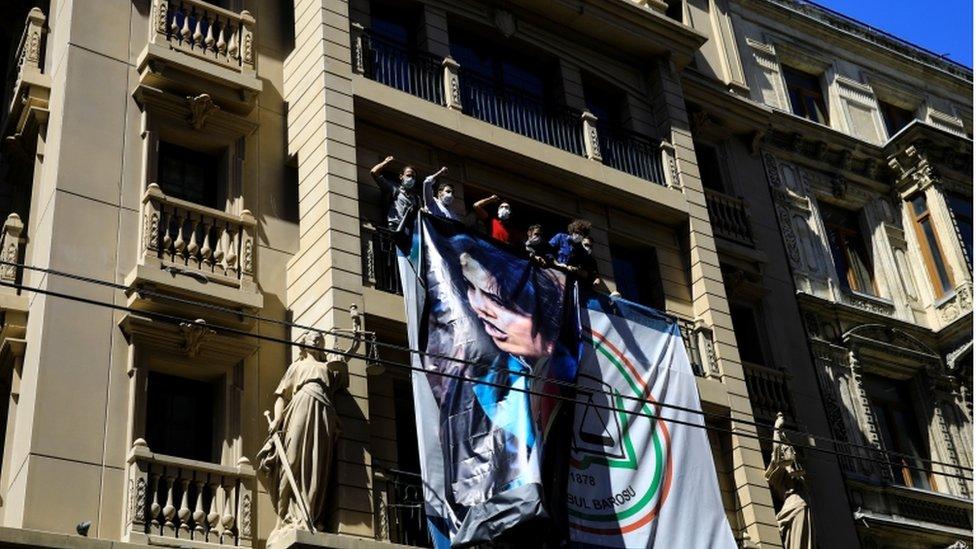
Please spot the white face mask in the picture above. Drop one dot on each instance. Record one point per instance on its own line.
(407, 181)
(577, 238)
(447, 198)
(588, 248)
(504, 213)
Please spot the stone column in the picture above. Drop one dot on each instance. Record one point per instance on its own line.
(325, 276)
(711, 307)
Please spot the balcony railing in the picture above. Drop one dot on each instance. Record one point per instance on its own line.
(417, 73)
(400, 509)
(730, 218)
(11, 246)
(700, 347)
(196, 240)
(206, 32)
(444, 82)
(768, 391)
(380, 269)
(182, 499)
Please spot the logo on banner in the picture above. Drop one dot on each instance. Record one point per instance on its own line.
(615, 488)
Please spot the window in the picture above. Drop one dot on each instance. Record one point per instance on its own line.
(928, 241)
(847, 245)
(394, 23)
(962, 214)
(709, 168)
(747, 333)
(895, 118)
(636, 274)
(604, 101)
(190, 175)
(898, 428)
(806, 95)
(500, 68)
(675, 10)
(181, 418)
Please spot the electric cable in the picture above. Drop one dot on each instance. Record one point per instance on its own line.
(177, 320)
(562, 383)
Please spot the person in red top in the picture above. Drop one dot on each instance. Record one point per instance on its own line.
(501, 227)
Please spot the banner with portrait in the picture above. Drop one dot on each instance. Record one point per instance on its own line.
(635, 478)
(489, 325)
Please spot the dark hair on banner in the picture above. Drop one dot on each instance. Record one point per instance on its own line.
(579, 226)
(523, 287)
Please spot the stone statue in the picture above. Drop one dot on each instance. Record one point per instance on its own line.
(786, 477)
(304, 429)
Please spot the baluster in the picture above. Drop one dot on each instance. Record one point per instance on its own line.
(174, 28)
(179, 245)
(199, 515)
(221, 246)
(217, 507)
(221, 39)
(206, 252)
(233, 244)
(167, 234)
(233, 45)
(198, 19)
(154, 508)
(213, 517)
(193, 247)
(185, 31)
(169, 510)
(229, 512)
(184, 513)
(208, 42)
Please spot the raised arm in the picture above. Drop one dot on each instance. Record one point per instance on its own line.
(377, 172)
(429, 183)
(479, 206)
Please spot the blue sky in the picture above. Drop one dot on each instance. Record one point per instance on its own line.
(943, 26)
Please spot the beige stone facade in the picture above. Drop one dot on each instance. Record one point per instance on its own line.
(205, 167)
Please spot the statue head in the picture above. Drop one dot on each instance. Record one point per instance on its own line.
(312, 344)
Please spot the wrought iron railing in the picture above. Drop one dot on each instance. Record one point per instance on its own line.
(632, 152)
(417, 73)
(380, 269)
(521, 113)
(401, 508)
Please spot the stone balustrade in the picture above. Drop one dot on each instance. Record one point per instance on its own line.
(205, 31)
(198, 241)
(171, 497)
(768, 391)
(730, 217)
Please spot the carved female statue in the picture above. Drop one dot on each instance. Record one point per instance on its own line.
(787, 478)
(305, 418)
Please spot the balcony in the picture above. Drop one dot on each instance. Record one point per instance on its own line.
(700, 347)
(768, 391)
(196, 251)
(443, 82)
(380, 268)
(193, 43)
(173, 500)
(730, 218)
(27, 88)
(400, 516)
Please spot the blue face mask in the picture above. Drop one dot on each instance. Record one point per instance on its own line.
(407, 182)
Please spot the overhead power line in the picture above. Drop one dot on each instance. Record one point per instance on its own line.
(177, 320)
(408, 350)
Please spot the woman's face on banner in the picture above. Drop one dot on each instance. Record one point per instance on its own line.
(511, 330)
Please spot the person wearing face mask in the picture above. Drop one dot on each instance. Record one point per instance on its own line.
(501, 226)
(540, 252)
(439, 197)
(569, 245)
(404, 194)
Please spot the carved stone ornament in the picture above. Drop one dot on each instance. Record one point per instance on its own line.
(838, 186)
(201, 107)
(505, 23)
(787, 477)
(195, 334)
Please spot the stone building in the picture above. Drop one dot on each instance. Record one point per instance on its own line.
(837, 165)
(205, 167)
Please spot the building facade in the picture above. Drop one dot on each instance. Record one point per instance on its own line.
(187, 185)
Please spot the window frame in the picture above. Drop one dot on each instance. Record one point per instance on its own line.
(951, 199)
(939, 286)
(790, 80)
(839, 237)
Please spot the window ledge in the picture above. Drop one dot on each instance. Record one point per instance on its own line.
(867, 302)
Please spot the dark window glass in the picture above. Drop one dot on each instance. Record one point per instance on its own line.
(504, 68)
(747, 334)
(709, 168)
(180, 417)
(806, 95)
(189, 175)
(931, 249)
(895, 118)
(898, 427)
(408, 454)
(962, 213)
(852, 260)
(636, 274)
(675, 10)
(604, 101)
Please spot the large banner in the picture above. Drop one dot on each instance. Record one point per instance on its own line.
(489, 324)
(498, 337)
(635, 478)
